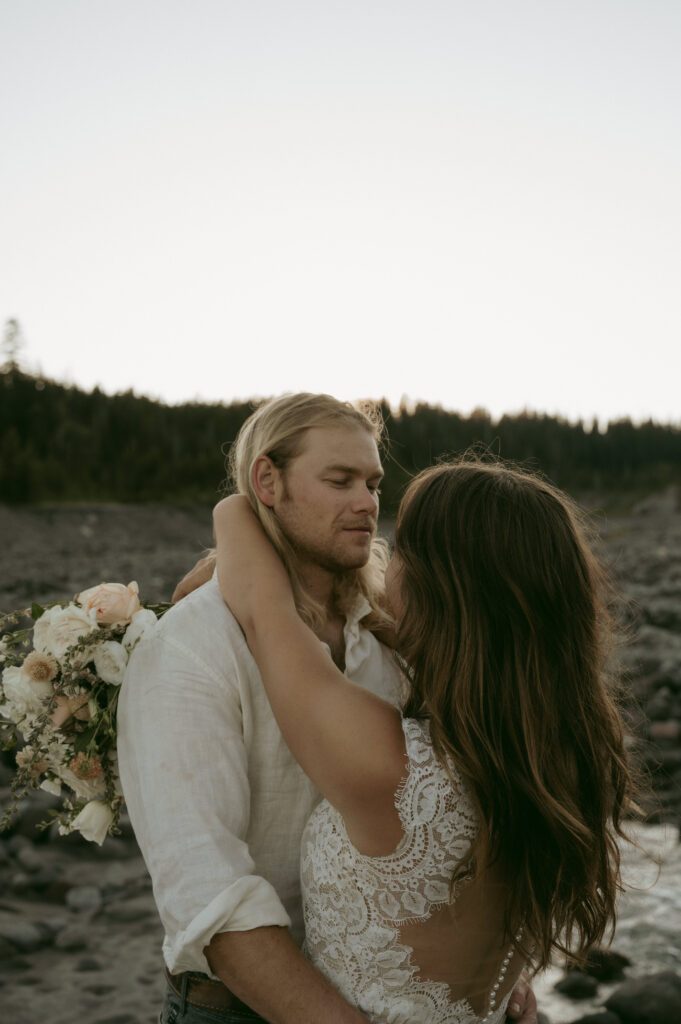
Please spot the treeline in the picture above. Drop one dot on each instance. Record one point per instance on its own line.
(59, 443)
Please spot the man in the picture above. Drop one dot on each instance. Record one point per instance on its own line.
(217, 802)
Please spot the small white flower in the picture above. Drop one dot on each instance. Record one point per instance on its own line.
(110, 659)
(143, 622)
(93, 821)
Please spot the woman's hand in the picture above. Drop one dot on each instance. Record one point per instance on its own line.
(522, 1007)
(250, 573)
(196, 577)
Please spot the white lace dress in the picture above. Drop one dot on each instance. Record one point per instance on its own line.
(354, 905)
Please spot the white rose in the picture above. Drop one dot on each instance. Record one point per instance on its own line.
(57, 629)
(143, 622)
(110, 659)
(23, 694)
(93, 821)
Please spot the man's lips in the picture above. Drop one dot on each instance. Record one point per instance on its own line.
(364, 528)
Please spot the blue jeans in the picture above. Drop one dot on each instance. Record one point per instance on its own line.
(172, 1013)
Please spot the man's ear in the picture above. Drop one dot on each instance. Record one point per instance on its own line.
(265, 476)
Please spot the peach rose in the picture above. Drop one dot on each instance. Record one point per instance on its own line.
(111, 602)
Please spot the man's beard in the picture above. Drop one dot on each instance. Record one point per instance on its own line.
(321, 555)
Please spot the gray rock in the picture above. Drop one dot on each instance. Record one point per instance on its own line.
(43, 879)
(127, 911)
(54, 925)
(115, 848)
(669, 731)
(15, 844)
(7, 950)
(659, 707)
(119, 1018)
(577, 985)
(663, 612)
(18, 882)
(599, 1017)
(24, 936)
(20, 963)
(605, 964)
(88, 963)
(652, 1000)
(29, 858)
(72, 939)
(32, 814)
(84, 897)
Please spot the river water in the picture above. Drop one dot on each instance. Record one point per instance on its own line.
(649, 923)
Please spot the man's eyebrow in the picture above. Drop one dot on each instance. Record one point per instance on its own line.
(353, 471)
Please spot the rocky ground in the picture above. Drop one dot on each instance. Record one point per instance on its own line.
(79, 936)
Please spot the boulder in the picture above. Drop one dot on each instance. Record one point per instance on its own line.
(599, 1017)
(24, 936)
(655, 999)
(84, 898)
(577, 985)
(605, 964)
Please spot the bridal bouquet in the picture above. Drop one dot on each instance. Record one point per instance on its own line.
(59, 692)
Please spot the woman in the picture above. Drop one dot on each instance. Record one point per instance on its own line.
(476, 831)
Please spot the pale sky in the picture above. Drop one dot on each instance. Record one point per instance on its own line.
(466, 202)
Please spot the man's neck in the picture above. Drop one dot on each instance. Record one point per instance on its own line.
(319, 583)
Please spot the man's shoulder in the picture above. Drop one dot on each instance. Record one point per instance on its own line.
(200, 626)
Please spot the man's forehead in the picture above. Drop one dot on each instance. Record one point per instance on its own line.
(348, 447)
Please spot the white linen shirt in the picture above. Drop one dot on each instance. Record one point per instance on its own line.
(217, 802)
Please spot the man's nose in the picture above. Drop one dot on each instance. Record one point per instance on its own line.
(365, 500)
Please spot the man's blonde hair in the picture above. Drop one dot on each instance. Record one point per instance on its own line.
(277, 429)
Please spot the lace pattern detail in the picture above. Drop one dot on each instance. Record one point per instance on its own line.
(354, 904)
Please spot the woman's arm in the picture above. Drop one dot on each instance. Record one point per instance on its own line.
(347, 740)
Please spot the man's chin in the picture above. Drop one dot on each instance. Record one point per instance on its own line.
(358, 559)
(346, 562)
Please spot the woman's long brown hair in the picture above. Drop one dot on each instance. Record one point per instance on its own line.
(507, 635)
